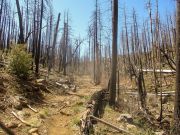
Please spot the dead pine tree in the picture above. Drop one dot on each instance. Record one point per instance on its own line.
(157, 41)
(112, 87)
(21, 34)
(49, 48)
(96, 36)
(1, 8)
(37, 57)
(177, 94)
(139, 76)
(54, 41)
(64, 45)
(153, 47)
(127, 44)
(1, 14)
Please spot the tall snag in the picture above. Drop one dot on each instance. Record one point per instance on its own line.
(153, 47)
(114, 54)
(37, 57)
(55, 38)
(21, 34)
(177, 94)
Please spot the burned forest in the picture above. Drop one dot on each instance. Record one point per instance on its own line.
(91, 67)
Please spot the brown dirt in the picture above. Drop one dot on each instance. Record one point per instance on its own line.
(64, 123)
(59, 113)
(53, 117)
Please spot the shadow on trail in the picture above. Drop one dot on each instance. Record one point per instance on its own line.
(31, 91)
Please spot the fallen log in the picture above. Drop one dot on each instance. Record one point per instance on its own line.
(152, 94)
(64, 86)
(158, 70)
(95, 107)
(110, 125)
(23, 121)
(74, 94)
(95, 111)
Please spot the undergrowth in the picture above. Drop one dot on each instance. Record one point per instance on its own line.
(20, 61)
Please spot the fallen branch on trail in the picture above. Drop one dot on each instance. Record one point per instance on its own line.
(62, 107)
(43, 88)
(66, 114)
(64, 86)
(74, 94)
(110, 125)
(158, 70)
(23, 121)
(148, 117)
(34, 110)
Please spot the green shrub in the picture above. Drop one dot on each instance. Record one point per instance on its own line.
(20, 61)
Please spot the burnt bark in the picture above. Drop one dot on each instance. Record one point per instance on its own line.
(21, 34)
(177, 94)
(37, 57)
(112, 99)
(55, 38)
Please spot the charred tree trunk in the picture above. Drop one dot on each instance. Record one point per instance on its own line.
(153, 48)
(141, 90)
(54, 41)
(65, 46)
(177, 94)
(1, 10)
(21, 34)
(114, 54)
(39, 41)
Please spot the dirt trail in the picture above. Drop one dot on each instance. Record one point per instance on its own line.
(64, 123)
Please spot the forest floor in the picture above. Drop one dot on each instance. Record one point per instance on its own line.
(65, 122)
(59, 112)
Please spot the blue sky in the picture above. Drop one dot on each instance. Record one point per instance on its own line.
(81, 10)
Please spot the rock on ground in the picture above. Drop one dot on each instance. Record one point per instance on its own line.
(125, 118)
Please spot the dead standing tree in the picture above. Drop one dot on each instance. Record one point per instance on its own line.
(21, 34)
(54, 41)
(153, 46)
(96, 46)
(112, 87)
(38, 49)
(139, 76)
(64, 43)
(95, 35)
(177, 94)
